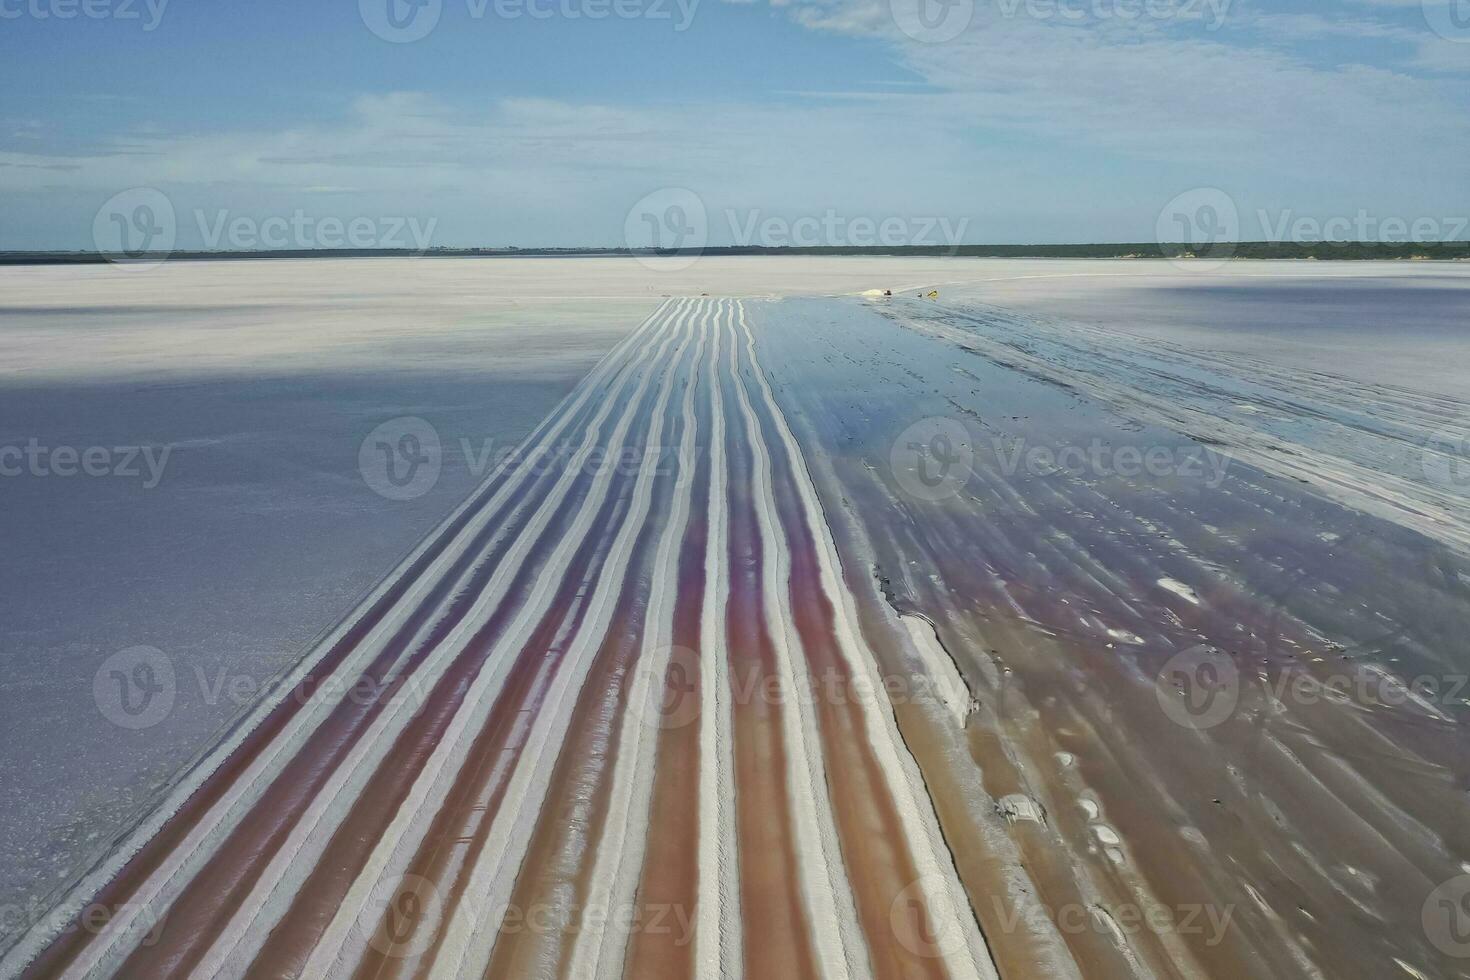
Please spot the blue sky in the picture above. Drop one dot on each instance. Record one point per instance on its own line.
(1035, 123)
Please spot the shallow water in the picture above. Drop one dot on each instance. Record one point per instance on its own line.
(1402, 324)
(1072, 597)
(229, 520)
(1288, 519)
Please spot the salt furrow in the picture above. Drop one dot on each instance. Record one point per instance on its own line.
(149, 896)
(345, 937)
(466, 947)
(598, 951)
(938, 880)
(834, 923)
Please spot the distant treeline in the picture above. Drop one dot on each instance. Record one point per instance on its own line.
(1242, 250)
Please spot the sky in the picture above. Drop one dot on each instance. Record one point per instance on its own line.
(422, 123)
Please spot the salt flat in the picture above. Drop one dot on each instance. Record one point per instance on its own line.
(796, 515)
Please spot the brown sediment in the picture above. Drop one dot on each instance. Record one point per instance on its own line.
(1286, 814)
(1002, 752)
(670, 874)
(552, 899)
(991, 878)
(213, 894)
(333, 737)
(998, 749)
(548, 905)
(777, 930)
(1251, 827)
(1007, 923)
(1016, 755)
(460, 827)
(1122, 770)
(875, 849)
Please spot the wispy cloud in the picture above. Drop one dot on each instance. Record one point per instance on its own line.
(1034, 126)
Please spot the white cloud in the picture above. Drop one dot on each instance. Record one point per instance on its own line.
(1034, 128)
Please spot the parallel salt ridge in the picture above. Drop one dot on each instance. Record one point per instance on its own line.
(494, 873)
(348, 934)
(130, 923)
(642, 369)
(271, 897)
(719, 937)
(932, 858)
(837, 937)
(621, 848)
